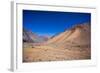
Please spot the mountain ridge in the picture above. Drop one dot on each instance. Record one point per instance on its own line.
(29, 36)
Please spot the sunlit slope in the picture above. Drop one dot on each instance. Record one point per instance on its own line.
(78, 35)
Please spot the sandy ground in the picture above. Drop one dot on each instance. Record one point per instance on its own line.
(47, 53)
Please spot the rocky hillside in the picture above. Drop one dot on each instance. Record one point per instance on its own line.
(29, 36)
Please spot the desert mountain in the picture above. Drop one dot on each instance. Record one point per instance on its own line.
(29, 36)
(78, 35)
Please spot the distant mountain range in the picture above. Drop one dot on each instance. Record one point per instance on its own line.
(29, 36)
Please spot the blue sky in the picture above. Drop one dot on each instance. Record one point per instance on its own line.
(51, 22)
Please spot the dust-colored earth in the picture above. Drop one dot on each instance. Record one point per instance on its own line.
(46, 53)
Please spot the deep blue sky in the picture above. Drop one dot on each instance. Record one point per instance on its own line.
(50, 22)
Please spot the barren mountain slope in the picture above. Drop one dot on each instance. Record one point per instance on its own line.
(30, 37)
(78, 35)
